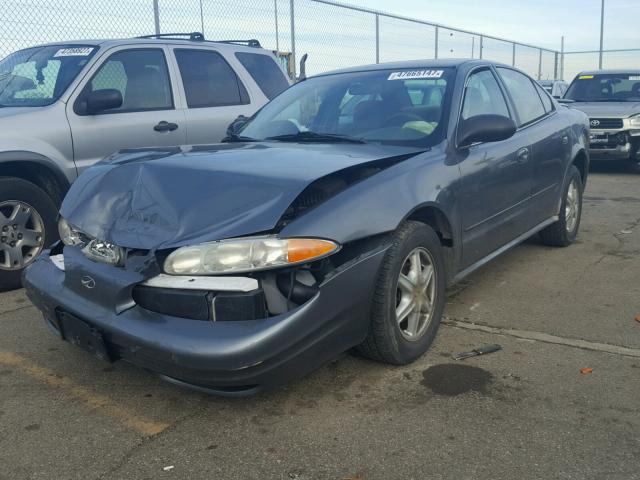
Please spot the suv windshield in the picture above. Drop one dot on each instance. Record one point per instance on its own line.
(605, 88)
(35, 77)
(401, 107)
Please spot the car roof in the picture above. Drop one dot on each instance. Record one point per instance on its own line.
(426, 63)
(107, 43)
(617, 71)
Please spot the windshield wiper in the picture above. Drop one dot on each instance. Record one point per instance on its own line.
(238, 138)
(316, 137)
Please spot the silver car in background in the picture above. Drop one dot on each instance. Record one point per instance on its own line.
(65, 106)
(555, 88)
(611, 99)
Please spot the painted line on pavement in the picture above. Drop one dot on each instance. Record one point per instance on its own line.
(94, 401)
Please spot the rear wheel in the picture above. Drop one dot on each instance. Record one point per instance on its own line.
(27, 226)
(408, 298)
(563, 232)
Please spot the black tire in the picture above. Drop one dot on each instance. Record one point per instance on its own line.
(557, 234)
(12, 188)
(384, 341)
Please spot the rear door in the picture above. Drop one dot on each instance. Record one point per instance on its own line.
(496, 176)
(214, 94)
(147, 117)
(549, 140)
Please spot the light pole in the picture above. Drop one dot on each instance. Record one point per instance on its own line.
(601, 34)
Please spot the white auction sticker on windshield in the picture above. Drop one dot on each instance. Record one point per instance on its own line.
(415, 74)
(74, 52)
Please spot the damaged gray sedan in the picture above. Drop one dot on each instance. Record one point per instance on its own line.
(334, 218)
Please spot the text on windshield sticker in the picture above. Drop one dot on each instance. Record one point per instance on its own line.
(415, 74)
(74, 52)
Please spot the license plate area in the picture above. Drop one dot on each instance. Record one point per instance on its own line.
(599, 138)
(81, 334)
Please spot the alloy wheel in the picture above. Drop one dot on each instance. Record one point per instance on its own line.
(415, 294)
(572, 207)
(21, 234)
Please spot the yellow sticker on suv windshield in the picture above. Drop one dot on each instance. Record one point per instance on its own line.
(585, 77)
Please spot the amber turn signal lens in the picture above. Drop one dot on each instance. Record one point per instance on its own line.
(306, 249)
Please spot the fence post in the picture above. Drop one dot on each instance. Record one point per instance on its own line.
(156, 16)
(436, 42)
(275, 10)
(481, 45)
(561, 58)
(201, 18)
(377, 38)
(513, 55)
(473, 46)
(540, 64)
(293, 39)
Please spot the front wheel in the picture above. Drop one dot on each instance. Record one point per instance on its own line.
(27, 226)
(409, 297)
(563, 232)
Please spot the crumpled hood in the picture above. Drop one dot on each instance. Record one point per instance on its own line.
(164, 198)
(607, 110)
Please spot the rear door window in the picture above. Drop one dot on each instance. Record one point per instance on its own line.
(209, 81)
(524, 95)
(546, 101)
(265, 72)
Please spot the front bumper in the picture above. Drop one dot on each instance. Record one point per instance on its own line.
(613, 145)
(227, 358)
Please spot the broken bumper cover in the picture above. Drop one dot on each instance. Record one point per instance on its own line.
(226, 358)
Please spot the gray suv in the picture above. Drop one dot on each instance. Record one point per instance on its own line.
(611, 99)
(65, 106)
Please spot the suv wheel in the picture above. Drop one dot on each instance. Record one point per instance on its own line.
(27, 226)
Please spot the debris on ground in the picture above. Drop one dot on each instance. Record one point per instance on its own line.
(626, 232)
(478, 351)
(357, 476)
(638, 318)
(167, 468)
(586, 370)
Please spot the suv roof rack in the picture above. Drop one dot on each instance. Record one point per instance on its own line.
(199, 37)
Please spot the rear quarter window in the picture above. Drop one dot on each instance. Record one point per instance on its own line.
(265, 72)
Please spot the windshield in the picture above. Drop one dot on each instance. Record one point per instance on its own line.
(35, 77)
(400, 107)
(605, 88)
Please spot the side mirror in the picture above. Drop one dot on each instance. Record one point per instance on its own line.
(566, 101)
(101, 100)
(485, 128)
(235, 126)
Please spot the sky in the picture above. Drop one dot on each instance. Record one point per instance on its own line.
(539, 22)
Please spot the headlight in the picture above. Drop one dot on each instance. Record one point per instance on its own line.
(69, 234)
(246, 255)
(634, 122)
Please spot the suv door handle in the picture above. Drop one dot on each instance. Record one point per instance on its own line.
(523, 155)
(165, 127)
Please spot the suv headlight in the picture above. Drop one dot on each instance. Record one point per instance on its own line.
(246, 255)
(634, 122)
(69, 234)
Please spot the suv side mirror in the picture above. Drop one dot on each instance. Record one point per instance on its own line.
(235, 126)
(485, 128)
(101, 100)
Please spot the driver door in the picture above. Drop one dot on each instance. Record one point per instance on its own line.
(142, 76)
(497, 177)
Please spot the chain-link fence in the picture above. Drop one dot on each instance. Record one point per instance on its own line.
(573, 63)
(334, 35)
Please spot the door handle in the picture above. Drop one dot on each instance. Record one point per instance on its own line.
(523, 155)
(165, 127)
